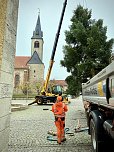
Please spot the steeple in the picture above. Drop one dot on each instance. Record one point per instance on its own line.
(37, 34)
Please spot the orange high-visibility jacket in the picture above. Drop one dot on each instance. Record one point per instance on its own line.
(59, 109)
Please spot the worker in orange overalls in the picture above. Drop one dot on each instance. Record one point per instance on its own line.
(59, 108)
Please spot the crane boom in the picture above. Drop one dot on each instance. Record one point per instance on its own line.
(44, 89)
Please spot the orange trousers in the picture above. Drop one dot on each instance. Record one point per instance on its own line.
(60, 124)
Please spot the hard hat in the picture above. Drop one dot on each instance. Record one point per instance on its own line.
(59, 98)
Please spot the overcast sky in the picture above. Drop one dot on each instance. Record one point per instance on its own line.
(50, 12)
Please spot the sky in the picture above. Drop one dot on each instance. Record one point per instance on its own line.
(50, 12)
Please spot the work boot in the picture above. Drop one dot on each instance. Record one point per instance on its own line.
(64, 139)
(59, 143)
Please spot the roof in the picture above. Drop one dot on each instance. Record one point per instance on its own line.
(21, 61)
(35, 59)
(59, 82)
(37, 33)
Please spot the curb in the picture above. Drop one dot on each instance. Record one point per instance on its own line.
(18, 107)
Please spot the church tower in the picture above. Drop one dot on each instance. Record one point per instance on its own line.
(36, 65)
(37, 40)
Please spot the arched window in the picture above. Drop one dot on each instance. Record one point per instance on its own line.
(25, 76)
(36, 44)
(17, 80)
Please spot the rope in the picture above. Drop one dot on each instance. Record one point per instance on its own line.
(50, 137)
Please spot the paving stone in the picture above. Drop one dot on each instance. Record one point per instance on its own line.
(28, 130)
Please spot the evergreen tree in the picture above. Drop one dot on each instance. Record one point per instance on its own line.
(87, 50)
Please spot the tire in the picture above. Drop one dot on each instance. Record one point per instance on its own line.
(92, 132)
(96, 144)
(40, 101)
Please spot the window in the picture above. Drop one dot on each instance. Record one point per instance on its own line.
(17, 80)
(25, 76)
(36, 44)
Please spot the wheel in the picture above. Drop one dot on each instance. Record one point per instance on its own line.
(99, 137)
(40, 101)
(96, 144)
(92, 132)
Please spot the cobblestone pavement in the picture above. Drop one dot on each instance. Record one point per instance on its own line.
(28, 130)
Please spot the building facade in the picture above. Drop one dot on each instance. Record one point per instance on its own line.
(8, 30)
(30, 69)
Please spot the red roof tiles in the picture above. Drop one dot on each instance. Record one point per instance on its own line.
(59, 82)
(21, 61)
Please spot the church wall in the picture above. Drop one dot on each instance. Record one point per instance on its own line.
(38, 74)
(21, 74)
(22, 80)
(38, 50)
(8, 29)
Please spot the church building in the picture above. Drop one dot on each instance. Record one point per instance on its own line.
(30, 69)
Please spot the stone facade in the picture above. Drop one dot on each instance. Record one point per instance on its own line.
(8, 29)
(36, 73)
(20, 72)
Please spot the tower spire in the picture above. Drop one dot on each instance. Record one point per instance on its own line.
(38, 11)
(38, 32)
